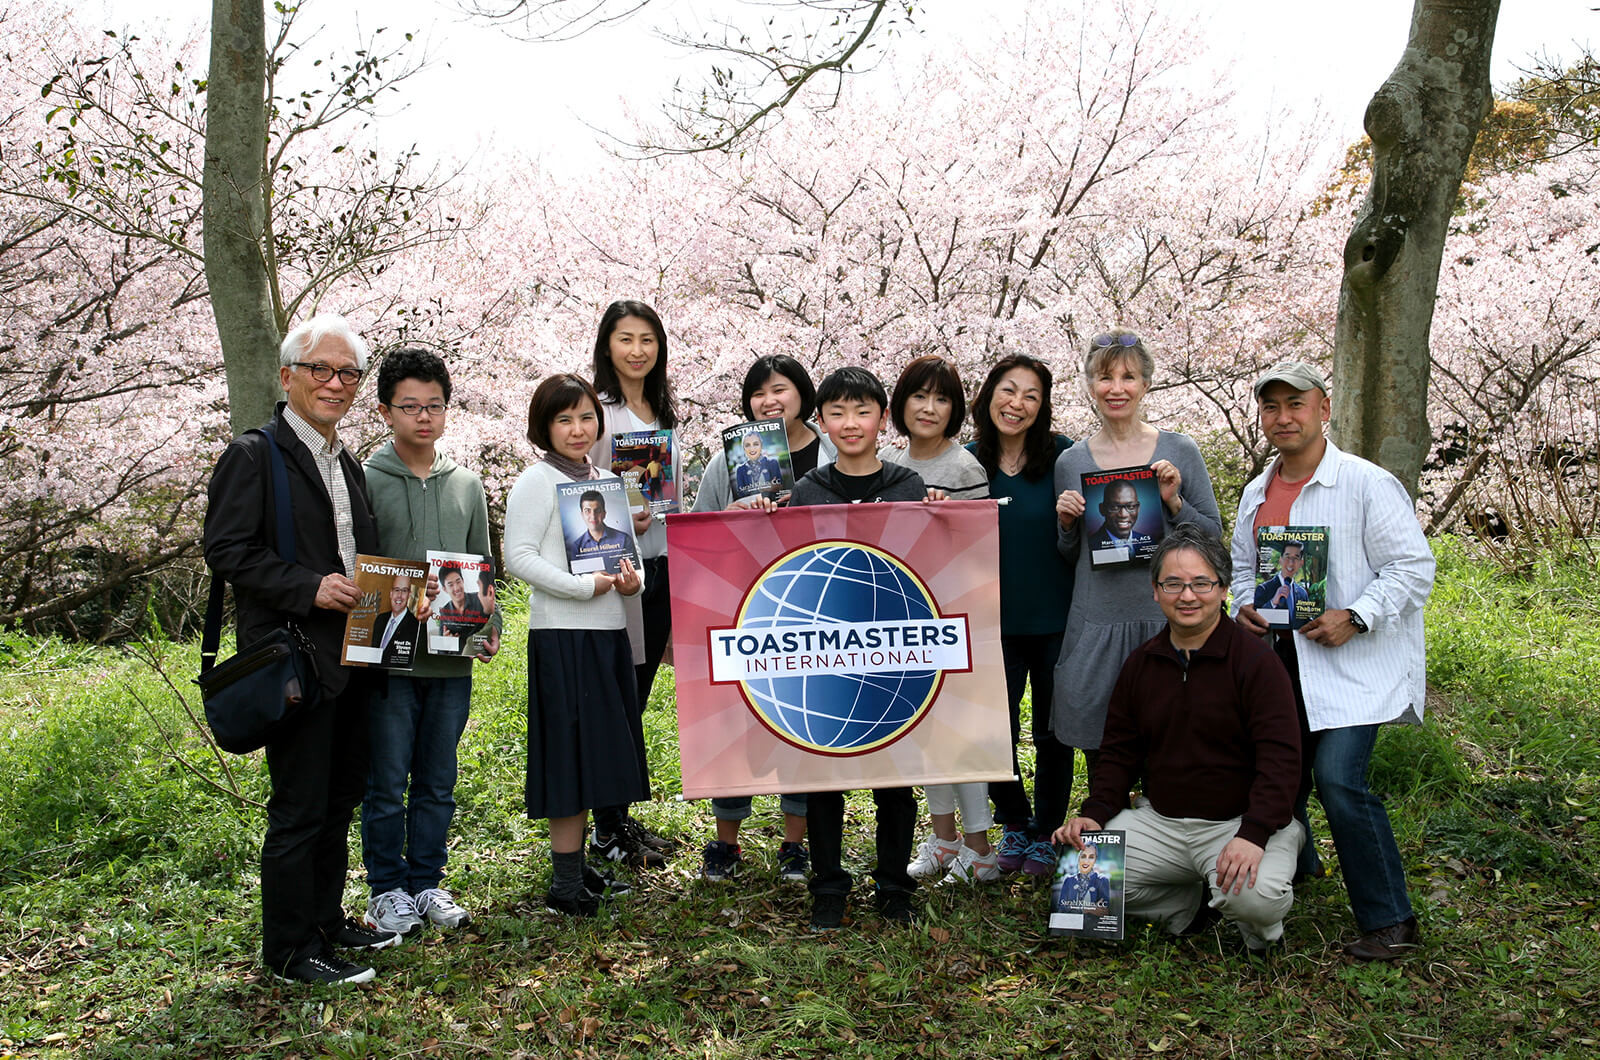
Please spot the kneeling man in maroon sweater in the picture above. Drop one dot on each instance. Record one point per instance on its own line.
(1203, 716)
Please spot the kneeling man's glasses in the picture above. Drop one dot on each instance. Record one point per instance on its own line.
(1200, 586)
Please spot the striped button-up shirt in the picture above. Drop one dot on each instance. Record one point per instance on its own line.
(326, 456)
(1379, 565)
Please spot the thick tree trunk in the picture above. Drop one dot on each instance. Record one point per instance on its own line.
(1423, 123)
(234, 197)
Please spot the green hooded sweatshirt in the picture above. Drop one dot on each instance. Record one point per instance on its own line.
(446, 512)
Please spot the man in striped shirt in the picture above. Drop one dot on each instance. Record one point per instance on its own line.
(1361, 663)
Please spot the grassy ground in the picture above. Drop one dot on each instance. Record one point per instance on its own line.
(128, 899)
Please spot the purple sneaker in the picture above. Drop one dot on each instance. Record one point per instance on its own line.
(1014, 845)
(1040, 862)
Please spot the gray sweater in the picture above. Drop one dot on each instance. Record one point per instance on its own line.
(1113, 608)
(445, 512)
(954, 470)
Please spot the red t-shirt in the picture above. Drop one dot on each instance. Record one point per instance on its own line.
(1274, 510)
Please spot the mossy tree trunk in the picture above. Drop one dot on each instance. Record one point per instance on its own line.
(1423, 122)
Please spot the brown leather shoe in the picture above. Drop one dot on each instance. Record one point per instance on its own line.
(1386, 944)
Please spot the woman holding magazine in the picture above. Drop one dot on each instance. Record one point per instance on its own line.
(585, 741)
(776, 387)
(1017, 448)
(1113, 610)
(928, 408)
(639, 407)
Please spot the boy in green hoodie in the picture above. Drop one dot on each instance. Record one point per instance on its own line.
(422, 501)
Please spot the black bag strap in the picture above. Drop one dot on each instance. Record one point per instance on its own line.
(211, 638)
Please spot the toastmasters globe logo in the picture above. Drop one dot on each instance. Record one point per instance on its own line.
(839, 648)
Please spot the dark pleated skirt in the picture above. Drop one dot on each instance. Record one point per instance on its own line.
(585, 740)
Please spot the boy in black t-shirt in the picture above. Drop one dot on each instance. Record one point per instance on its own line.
(853, 407)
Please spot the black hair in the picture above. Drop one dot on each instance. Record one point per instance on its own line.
(933, 373)
(593, 495)
(782, 364)
(424, 366)
(1190, 536)
(485, 579)
(852, 383)
(657, 391)
(1038, 449)
(556, 394)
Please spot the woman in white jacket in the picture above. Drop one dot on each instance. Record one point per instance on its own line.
(585, 741)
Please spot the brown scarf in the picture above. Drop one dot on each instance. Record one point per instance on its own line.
(576, 470)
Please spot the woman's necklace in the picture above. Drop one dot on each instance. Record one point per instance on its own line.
(1012, 464)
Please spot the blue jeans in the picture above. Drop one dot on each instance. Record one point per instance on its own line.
(415, 724)
(1374, 876)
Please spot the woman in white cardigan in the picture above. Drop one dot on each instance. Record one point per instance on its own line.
(585, 740)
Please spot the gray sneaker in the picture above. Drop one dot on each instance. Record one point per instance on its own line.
(393, 911)
(440, 908)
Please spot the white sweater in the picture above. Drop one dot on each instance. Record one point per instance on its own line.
(536, 552)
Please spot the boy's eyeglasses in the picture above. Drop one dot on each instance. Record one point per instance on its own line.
(435, 409)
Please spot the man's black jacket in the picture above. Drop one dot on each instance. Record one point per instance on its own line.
(240, 541)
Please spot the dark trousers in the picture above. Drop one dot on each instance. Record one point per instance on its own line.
(1031, 658)
(319, 773)
(656, 602)
(897, 820)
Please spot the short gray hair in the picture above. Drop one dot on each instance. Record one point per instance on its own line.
(1192, 537)
(305, 336)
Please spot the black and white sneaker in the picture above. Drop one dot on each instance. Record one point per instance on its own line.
(604, 885)
(328, 969)
(354, 935)
(625, 849)
(659, 843)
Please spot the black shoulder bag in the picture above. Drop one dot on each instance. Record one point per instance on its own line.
(267, 683)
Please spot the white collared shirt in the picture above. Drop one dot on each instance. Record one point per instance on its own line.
(325, 455)
(1379, 565)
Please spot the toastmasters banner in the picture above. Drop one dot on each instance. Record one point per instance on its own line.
(838, 646)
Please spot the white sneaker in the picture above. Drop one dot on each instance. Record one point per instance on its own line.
(439, 907)
(392, 911)
(969, 866)
(934, 858)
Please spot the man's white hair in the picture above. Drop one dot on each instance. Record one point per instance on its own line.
(305, 336)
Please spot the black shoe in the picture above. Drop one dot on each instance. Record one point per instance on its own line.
(354, 935)
(896, 907)
(626, 849)
(328, 969)
(1205, 916)
(604, 885)
(642, 835)
(584, 903)
(1386, 944)
(827, 912)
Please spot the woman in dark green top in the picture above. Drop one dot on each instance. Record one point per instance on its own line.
(1018, 450)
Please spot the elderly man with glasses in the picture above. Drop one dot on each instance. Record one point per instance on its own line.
(1204, 714)
(318, 762)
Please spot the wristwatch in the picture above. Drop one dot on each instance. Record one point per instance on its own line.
(1357, 621)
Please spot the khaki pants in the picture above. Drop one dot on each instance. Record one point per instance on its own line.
(1167, 856)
